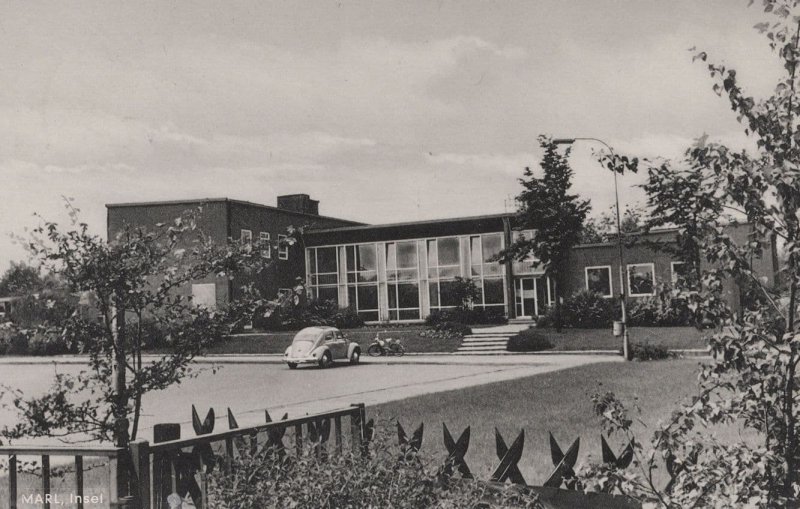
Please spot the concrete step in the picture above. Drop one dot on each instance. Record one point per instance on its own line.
(480, 348)
(485, 336)
(483, 340)
(498, 352)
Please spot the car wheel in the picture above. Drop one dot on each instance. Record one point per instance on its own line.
(292, 365)
(355, 358)
(326, 360)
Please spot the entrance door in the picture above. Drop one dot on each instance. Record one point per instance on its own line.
(525, 297)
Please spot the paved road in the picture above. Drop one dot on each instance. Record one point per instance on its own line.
(250, 387)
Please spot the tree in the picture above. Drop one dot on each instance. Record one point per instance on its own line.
(603, 228)
(20, 279)
(546, 206)
(752, 382)
(137, 286)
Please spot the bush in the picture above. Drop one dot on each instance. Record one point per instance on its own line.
(649, 352)
(309, 314)
(384, 477)
(586, 310)
(528, 341)
(475, 316)
(446, 330)
(659, 311)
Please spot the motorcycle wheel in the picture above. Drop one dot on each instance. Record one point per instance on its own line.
(375, 350)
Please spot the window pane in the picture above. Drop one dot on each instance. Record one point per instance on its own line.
(408, 296)
(476, 271)
(392, 291)
(330, 293)
(327, 279)
(368, 297)
(409, 314)
(492, 245)
(492, 269)
(599, 280)
(407, 255)
(449, 272)
(351, 258)
(448, 294)
(312, 261)
(351, 297)
(493, 291)
(641, 279)
(366, 257)
(369, 316)
(448, 251)
(407, 275)
(326, 259)
(433, 292)
(367, 277)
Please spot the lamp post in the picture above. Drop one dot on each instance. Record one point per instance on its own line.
(625, 339)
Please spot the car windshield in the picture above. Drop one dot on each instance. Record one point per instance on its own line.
(306, 336)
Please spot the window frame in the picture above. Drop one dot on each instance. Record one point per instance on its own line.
(652, 274)
(242, 236)
(610, 279)
(266, 249)
(283, 251)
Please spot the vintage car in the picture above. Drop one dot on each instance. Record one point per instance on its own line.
(321, 346)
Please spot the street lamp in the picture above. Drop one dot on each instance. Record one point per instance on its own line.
(625, 342)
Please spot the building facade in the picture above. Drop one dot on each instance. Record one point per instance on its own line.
(222, 219)
(402, 272)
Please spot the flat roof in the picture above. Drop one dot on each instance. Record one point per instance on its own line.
(415, 223)
(223, 200)
(407, 230)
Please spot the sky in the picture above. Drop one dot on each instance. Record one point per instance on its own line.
(383, 111)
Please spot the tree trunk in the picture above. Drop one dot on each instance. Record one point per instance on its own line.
(557, 297)
(121, 438)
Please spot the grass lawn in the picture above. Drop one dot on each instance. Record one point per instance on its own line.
(603, 339)
(557, 402)
(277, 343)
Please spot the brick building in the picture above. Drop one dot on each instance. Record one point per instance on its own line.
(402, 271)
(223, 219)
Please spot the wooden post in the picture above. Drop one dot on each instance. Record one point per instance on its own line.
(298, 439)
(79, 480)
(12, 481)
(162, 465)
(337, 429)
(228, 454)
(356, 428)
(140, 454)
(46, 480)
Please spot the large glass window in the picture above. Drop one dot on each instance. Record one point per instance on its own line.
(403, 277)
(598, 280)
(641, 279)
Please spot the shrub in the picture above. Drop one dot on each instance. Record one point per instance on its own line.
(475, 316)
(40, 343)
(659, 311)
(649, 352)
(587, 310)
(308, 314)
(446, 330)
(384, 477)
(528, 341)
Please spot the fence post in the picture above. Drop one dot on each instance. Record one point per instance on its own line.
(162, 465)
(357, 426)
(79, 480)
(12, 481)
(140, 453)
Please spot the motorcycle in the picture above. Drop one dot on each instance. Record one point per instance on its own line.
(387, 346)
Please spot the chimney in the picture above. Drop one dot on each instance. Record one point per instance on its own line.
(299, 203)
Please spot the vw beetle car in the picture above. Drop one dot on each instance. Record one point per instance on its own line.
(321, 346)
